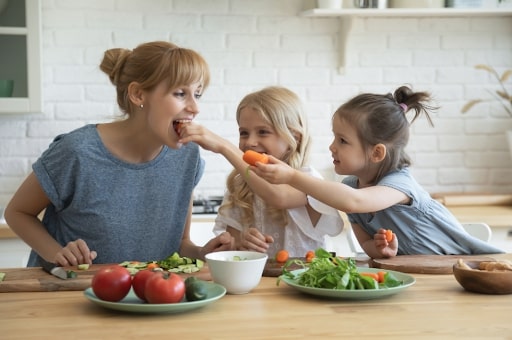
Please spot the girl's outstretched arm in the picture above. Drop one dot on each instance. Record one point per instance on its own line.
(279, 196)
(337, 195)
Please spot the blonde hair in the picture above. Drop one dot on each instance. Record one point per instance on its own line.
(151, 63)
(281, 109)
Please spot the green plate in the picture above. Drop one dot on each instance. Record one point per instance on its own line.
(365, 294)
(131, 303)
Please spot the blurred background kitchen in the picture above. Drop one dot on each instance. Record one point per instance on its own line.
(251, 44)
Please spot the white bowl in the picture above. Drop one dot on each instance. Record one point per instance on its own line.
(238, 271)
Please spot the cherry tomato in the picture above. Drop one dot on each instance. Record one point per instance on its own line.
(164, 287)
(111, 283)
(282, 256)
(310, 255)
(139, 282)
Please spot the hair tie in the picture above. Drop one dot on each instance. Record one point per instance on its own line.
(403, 106)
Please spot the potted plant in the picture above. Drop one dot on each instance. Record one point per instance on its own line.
(502, 95)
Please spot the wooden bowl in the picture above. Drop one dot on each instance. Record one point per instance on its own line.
(483, 281)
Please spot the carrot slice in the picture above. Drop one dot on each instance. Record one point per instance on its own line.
(389, 235)
(251, 157)
(282, 256)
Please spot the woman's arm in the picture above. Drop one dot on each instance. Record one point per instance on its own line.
(21, 215)
(221, 242)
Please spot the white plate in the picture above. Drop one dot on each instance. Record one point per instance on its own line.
(131, 303)
(364, 294)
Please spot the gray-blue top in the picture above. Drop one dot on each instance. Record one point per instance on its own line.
(123, 211)
(425, 226)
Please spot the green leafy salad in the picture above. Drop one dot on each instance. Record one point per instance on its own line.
(332, 272)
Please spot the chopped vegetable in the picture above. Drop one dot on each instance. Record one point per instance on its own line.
(310, 255)
(152, 265)
(282, 256)
(71, 274)
(389, 235)
(173, 263)
(83, 266)
(2, 276)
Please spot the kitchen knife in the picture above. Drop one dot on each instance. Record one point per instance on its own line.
(54, 269)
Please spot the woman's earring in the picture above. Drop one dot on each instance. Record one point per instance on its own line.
(141, 106)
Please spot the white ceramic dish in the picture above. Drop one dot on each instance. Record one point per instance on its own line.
(238, 271)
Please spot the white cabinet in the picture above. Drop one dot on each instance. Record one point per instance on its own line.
(13, 253)
(20, 56)
(201, 228)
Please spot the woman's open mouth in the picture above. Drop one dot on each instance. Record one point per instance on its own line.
(178, 125)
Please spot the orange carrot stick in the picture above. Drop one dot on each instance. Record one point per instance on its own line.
(251, 157)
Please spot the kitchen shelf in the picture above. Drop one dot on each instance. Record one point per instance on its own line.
(20, 60)
(407, 12)
(347, 14)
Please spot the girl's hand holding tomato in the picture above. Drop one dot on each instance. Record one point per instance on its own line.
(383, 246)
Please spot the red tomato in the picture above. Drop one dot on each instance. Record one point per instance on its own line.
(111, 283)
(164, 287)
(139, 282)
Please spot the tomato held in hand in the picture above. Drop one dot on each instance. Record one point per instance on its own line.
(111, 283)
(164, 287)
(389, 235)
(139, 282)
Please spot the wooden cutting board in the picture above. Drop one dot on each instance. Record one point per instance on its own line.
(274, 268)
(424, 264)
(35, 279)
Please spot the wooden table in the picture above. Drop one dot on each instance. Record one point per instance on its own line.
(435, 306)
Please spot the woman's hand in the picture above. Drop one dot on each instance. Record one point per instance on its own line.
(75, 253)
(221, 242)
(384, 247)
(253, 239)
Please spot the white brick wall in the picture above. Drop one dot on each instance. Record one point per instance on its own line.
(251, 44)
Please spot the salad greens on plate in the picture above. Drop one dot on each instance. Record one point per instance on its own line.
(331, 272)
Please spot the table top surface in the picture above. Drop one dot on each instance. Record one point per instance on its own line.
(436, 305)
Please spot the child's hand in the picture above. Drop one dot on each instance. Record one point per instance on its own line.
(75, 253)
(253, 240)
(386, 247)
(275, 172)
(192, 132)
